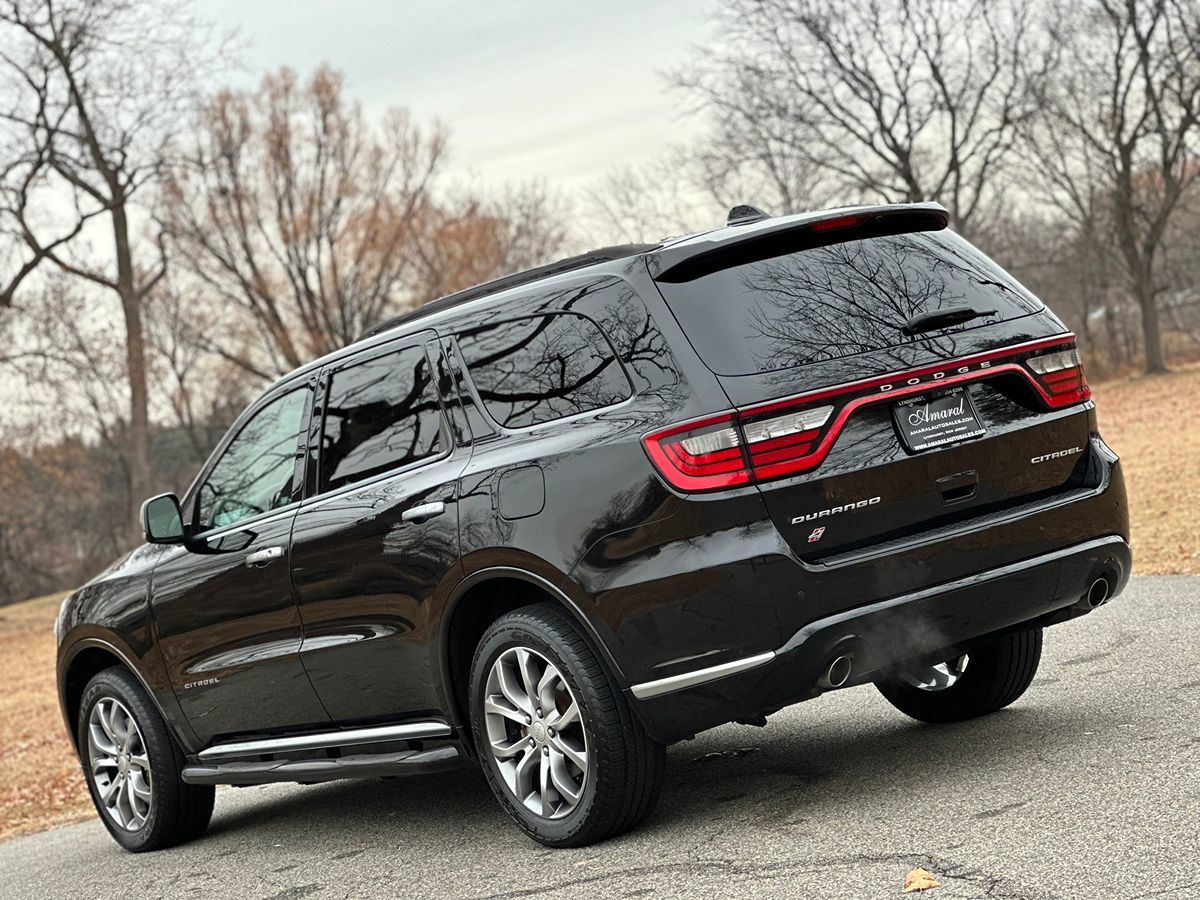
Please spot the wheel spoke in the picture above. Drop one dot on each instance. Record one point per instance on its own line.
(114, 787)
(511, 689)
(104, 713)
(544, 785)
(140, 789)
(500, 706)
(507, 750)
(142, 761)
(562, 781)
(560, 743)
(103, 762)
(569, 716)
(523, 776)
(529, 678)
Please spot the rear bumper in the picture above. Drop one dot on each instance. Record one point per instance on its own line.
(934, 622)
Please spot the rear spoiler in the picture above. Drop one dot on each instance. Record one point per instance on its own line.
(738, 245)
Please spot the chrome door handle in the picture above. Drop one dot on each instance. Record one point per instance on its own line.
(424, 511)
(264, 557)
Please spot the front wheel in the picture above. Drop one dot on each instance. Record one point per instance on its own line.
(133, 766)
(561, 749)
(988, 678)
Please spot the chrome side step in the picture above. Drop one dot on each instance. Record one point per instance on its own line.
(409, 731)
(311, 771)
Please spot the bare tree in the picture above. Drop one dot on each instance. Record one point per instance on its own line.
(296, 213)
(669, 196)
(1117, 147)
(473, 237)
(93, 93)
(903, 100)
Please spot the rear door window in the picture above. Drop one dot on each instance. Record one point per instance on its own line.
(838, 300)
(380, 415)
(534, 370)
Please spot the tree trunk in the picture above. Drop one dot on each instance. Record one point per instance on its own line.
(1151, 333)
(135, 362)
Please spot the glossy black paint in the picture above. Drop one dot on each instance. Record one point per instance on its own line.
(356, 622)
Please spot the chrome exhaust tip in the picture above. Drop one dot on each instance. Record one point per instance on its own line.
(837, 674)
(1098, 593)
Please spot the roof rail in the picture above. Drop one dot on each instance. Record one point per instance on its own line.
(602, 254)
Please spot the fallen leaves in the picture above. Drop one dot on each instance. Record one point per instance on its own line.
(919, 880)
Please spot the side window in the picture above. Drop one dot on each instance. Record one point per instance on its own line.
(379, 415)
(529, 371)
(257, 472)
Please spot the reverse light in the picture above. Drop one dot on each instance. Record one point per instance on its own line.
(1061, 377)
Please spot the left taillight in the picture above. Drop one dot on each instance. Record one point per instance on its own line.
(700, 456)
(733, 449)
(1061, 377)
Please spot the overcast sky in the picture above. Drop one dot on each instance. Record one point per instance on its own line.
(556, 91)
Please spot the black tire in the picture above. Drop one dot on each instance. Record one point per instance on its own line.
(626, 767)
(178, 812)
(996, 675)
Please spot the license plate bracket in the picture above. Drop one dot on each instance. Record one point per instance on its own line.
(937, 419)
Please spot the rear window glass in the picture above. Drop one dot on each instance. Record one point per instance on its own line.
(380, 415)
(534, 370)
(839, 300)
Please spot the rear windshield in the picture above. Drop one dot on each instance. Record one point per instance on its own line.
(838, 300)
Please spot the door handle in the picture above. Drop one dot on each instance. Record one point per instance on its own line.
(264, 557)
(423, 511)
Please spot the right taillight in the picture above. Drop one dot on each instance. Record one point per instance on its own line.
(1061, 377)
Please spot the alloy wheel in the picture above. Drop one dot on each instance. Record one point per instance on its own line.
(536, 732)
(940, 677)
(119, 764)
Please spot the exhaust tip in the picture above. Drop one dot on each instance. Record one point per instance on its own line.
(1098, 593)
(838, 672)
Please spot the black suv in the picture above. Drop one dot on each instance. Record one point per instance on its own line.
(554, 523)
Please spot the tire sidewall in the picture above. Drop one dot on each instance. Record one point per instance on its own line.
(504, 635)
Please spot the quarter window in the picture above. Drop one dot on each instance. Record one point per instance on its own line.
(380, 415)
(534, 370)
(258, 471)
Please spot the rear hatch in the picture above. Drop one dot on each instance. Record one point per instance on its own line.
(886, 379)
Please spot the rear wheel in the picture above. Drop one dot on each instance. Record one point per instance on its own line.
(988, 678)
(561, 749)
(133, 765)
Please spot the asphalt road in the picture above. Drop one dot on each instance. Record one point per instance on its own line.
(1089, 787)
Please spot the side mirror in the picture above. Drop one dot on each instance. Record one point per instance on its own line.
(162, 520)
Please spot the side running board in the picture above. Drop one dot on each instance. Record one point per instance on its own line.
(370, 765)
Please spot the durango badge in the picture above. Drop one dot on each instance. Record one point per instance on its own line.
(834, 510)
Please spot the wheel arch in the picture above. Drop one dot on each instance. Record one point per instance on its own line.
(478, 601)
(84, 661)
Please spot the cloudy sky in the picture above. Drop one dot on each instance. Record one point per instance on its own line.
(556, 91)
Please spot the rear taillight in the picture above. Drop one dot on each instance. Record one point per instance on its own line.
(1061, 377)
(783, 442)
(700, 456)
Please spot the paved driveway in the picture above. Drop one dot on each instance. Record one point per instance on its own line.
(1088, 787)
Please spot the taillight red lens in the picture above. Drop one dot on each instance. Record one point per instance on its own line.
(1061, 377)
(700, 456)
(781, 442)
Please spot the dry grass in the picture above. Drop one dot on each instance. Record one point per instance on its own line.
(1149, 421)
(1152, 423)
(40, 781)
